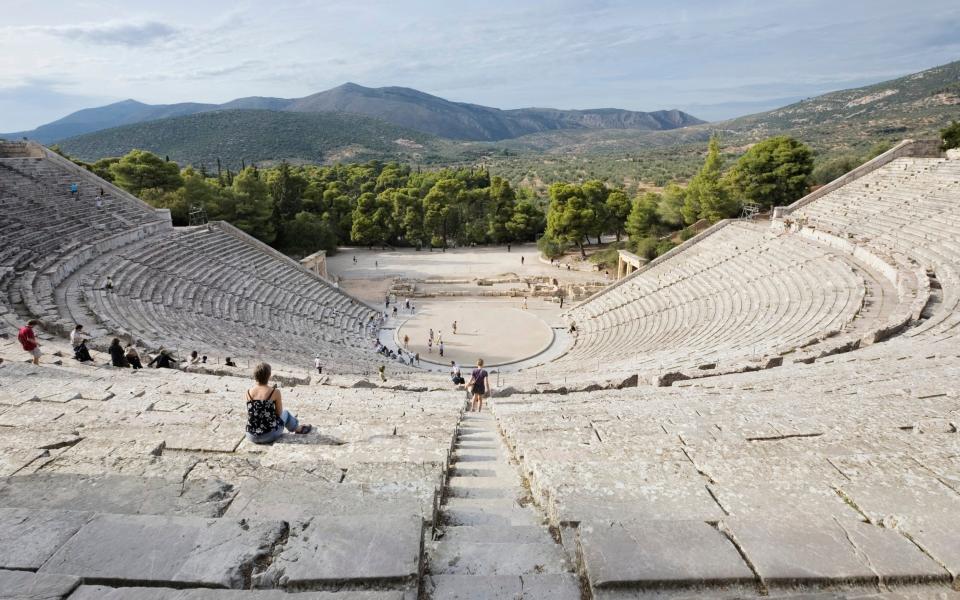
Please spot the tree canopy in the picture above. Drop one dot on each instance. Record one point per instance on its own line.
(774, 172)
(950, 136)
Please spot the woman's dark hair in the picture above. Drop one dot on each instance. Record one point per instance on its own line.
(78, 327)
(115, 342)
(262, 373)
(193, 354)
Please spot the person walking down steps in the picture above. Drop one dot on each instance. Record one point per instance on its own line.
(479, 386)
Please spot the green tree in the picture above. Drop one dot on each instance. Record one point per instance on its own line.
(307, 233)
(596, 193)
(173, 201)
(670, 208)
(367, 227)
(774, 172)
(286, 189)
(950, 136)
(707, 196)
(551, 247)
(502, 205)
(570, 216)
(642, 221)
(833, 168)
(141, 170)
(249, 207)
(438, 205)
(618, 209)
(527, 221)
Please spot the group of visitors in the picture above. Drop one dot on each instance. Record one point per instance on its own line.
(121, 356)
(124, 357)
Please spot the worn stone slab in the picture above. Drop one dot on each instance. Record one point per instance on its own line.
(781, 499)
(793, 551)
(27, 415)
(654, 553)
(328, 550)
(930, 515)
(503, 587)
(96, 592)
(28, 537)
(115, 494)
(891, 555)
(24, 585)
(153, 549)
(13, 460)
(682, 502)
(484, 558)
(301, 501)
(202, 438)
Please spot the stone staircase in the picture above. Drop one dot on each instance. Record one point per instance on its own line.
(492, 542)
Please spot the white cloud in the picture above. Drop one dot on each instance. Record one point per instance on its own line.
(111, 32)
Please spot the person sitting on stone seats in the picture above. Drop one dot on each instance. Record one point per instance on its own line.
(78, 339)
(163, 360)
(193, 361)
(266, 417)
(132, 356)
(117, 356)
(229, 363)
(456, 376)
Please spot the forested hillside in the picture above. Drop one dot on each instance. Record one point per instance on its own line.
(238, 137)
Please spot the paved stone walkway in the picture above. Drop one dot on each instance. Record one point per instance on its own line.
(492, 542)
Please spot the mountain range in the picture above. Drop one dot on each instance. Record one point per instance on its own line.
(404, 107)
(351, 122)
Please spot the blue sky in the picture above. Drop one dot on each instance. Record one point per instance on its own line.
(714, 59)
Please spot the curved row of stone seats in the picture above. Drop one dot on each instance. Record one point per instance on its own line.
(146, 479)
(840, 473)
(741, 293)
(47, 232)
(211, 289)
(904, 208)
(202, 288)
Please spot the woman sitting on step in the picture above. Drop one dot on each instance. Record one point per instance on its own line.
(266, 417)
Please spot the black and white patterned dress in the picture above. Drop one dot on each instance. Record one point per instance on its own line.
(262, 415)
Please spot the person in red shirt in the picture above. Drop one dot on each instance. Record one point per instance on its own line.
(28, 339)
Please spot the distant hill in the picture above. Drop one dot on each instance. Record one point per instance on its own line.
(461, 121)
(916, 105)
(913, 106)
(104, 117)
(401, 106)
(257, 136)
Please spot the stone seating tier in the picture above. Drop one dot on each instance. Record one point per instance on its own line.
(209, 289)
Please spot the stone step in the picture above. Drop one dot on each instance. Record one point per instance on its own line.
(471, 457)
(486, 558)
(477, 516)
(563, 586)
(475, 445)
(481, 470)
(506, 480)
(97, 592)
(456, 491)
(520, 534)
